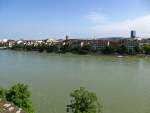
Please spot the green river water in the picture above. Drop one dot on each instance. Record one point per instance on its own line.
(121, 84)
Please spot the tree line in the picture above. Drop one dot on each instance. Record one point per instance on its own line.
(85, 49)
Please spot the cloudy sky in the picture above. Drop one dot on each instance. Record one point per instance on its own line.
(39, 19)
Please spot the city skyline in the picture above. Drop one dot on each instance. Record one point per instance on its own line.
(39, 19)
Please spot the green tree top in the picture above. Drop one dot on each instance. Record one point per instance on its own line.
(19, 95)
(83, 101)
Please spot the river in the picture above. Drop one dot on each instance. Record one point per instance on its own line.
(121, 84)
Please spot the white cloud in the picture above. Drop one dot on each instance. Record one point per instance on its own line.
(96, 18)
(121, 28)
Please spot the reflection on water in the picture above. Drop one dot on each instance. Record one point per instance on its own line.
(122, 84)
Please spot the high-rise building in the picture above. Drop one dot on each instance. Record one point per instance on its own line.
(67, 37)
(133, 34)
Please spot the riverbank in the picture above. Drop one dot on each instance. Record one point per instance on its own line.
(7, 107)
(85, 49)
(92, 54)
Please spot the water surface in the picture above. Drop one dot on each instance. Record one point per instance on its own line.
(122, 84)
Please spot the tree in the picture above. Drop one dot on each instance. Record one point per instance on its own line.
(83, 101)
(19, 95)
(122, 49)
(85, 49)
(49, 48)
(137, 49)
(64, 48)
(108, 50)
(41, 47)
(146, 49)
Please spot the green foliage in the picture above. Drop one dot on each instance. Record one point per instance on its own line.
(29, 47)
(108, 50)
(41, 48)
(50, 48)
(86, 49)
(83, 101)
(64, 48)
(137, 49)
(19, 95)
(2, 93)
(82, 50)
(122, 49)
(17, 47)
(146, 49)
(75, 50)
(56, 48)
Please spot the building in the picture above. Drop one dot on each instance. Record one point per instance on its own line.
(11, 43)
(130, 44)
(99, 44)
(133, 34)
(51, 41)
(145, 42)
(67, 37)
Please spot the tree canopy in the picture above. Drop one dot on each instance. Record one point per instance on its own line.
(83, 101)
(19, 95)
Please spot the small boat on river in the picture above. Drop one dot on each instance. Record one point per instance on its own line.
(2, 48)
(120, 56)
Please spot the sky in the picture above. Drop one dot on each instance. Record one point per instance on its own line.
(41, 19)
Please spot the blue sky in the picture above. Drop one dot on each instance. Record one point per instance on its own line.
(36, 19)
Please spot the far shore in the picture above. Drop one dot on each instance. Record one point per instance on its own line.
(91, 54)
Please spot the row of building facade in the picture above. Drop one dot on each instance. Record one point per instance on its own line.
(130, 43)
